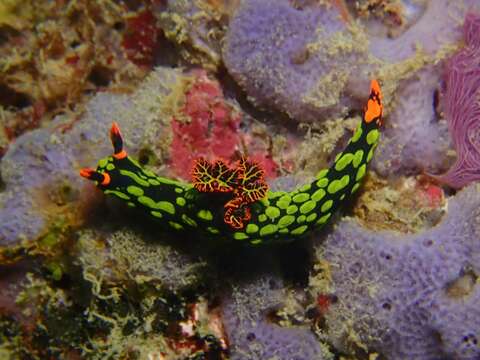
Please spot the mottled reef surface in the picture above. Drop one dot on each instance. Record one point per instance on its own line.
(394, 276)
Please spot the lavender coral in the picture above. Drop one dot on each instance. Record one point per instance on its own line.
(253, 337)
(462, 106)
(414, 128)
(295, 60)
(408, 297)
(40, 165)
(435, 27)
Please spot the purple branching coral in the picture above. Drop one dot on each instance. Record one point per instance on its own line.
(462, 106)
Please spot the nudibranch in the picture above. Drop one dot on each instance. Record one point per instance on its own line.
(235, 203)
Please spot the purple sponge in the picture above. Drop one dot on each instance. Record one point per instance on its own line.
(42, 162)
(409, 296)
(253, 337)
(414, 140)
(298, 61)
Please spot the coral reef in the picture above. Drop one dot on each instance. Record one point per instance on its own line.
(462, 108)
(203, 112)
(202, 109)
(408, 297)
(40, 169)
(253, 336)
(407, 205)
(436, 29)
(415, 138)
(197, 28)
(83, 276)
(55, 56)
(298, 61)
(34, 181)
(141, 40)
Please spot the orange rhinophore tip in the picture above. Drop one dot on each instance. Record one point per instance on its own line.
(373, 109)
(115, 130)
(87, 173)
(375, 87)
(117, 141)
(94, 175)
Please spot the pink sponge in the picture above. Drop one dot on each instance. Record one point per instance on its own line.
(462, 106)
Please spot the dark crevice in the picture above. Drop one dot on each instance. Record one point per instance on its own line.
(100, 76)
(3, 186)
(10, 98)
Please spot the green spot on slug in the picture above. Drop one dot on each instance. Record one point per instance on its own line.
(318, 195)
(272, 212)
(268, 229)
(292, 209)
(361, 172)
(323, 219)
(149, 173)
(265, 202)
(372, 136)
(169, 181)
(240, 236)
(339, 184)
(326, 205)
(213, 230)
(285, 221)
(135, 190)
(251, 228)
(321, 174)
(357, 159)
(154, 182)
(189, 221)
(343, 162)
(283, 231)
(370, 154)
(110, 167)
(274, 194)
(357, 134)
(180, 201)
(175, 225)
(299, 231)
(256, 241)
(156, 214)
(301, 219)
(103, 162)
(262, 217)
(284, 201)
(118, 194)
(178, 190)
(342, 197)
(308, 206)
(322, 183)
(305, 188)
(205, 215)
(311, 217)
(166, 206)
(145, 200)
(131, 204)
(135, 178)
(355, 187)
(301, 198)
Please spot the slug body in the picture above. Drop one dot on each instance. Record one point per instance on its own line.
(221, 210)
